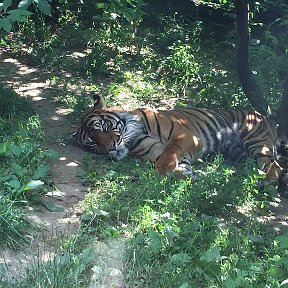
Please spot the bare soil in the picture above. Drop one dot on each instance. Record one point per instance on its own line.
(33, 83)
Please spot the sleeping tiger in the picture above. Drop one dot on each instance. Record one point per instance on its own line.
(174, 139)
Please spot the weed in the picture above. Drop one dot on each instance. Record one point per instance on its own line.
(22, 165)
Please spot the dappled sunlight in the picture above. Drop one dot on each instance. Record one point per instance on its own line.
(56, 118)
(62, 111)
(67, 190)
(77, 55)
(72, 164)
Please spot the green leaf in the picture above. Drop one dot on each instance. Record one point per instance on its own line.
(24, 4)
(100, 212)
(15, 184)
(271, 190)
(6, 4)
(86, 217)
(256, 238)
(52, 207)
(33, 184)
(211, 255)
(283, 262)
(13, 148)
(43, 6)
(41, 171)
(6, 24)
(17, 170)
(88, 255)
(4, 178)
(20, 12)
(16, 18)
(155, 241)
(18, 15)
(283, 241)
(181, 257)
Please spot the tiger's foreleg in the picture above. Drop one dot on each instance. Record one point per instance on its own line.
(178, 154)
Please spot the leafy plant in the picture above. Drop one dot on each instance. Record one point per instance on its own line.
(20, 14)
(129, 10)
(23, 165)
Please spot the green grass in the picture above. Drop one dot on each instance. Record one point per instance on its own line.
(181, 233)
(22, 165)
(67, 265)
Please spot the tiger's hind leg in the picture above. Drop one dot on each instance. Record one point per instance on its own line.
(267, 161)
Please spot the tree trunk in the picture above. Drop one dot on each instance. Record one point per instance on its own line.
(282, 114)
(245, 75)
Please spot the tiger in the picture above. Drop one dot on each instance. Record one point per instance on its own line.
(175, 139)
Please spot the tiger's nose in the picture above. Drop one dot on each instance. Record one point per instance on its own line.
(113, 145)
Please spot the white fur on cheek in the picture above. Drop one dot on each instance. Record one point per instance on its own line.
(119, 154)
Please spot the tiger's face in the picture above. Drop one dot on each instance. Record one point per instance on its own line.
(103, 134)
(108, 132)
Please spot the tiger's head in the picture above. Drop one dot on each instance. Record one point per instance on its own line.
(108, 131)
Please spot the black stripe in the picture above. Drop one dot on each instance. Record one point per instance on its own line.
(148, 151)
(211, 118)
(146, 119)
(138, 142)
(158, 127)
(194, 124)
(171, 129)
(205, 135)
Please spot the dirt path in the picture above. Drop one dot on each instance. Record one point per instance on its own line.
(68, 190)
(33, 83)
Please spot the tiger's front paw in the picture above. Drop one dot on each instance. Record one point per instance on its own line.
(166, 164)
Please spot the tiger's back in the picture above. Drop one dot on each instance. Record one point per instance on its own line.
(210, 131)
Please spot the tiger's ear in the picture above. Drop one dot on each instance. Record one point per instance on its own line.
(98, 103)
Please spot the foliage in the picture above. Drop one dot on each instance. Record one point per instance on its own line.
(129, 10)
(22, 164)
(10, 15)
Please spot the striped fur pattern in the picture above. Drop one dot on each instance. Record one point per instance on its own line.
(174, 139)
